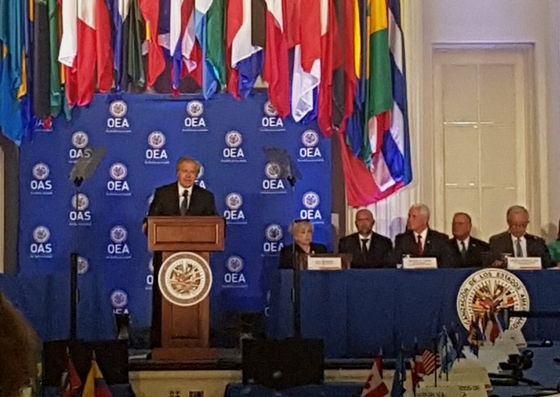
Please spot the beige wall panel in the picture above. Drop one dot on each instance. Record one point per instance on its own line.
(461, 155)
(497, 93)
(459, 93)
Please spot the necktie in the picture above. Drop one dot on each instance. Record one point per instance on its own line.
(419, 244)
(518, 249)
(364, 245)
(463, 249)
(185, 203)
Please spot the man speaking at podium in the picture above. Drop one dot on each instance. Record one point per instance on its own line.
(181, 198)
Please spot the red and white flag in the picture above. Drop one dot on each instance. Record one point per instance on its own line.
(374, 386)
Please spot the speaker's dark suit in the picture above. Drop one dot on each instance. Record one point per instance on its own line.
(378, 254)
(436, 246)
(473, 254)
(166, 203)
(286, 254)
(536, 247)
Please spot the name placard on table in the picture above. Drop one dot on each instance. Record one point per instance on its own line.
(419, 263)
(514, 263)
(324, 263)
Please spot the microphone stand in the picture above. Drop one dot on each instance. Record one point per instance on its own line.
(74, 270)
(296, 276)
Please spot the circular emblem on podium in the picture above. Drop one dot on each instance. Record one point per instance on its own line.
(489, 292)
(185, 279)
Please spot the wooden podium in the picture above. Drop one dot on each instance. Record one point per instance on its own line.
(185, 329)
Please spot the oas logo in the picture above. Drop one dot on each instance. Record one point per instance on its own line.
(119, 299)
(41, 171)
(272, 171)
(234, 264)
(195, 108)
(83, 265)
(80, 139)
(486, 293)
(309, 138)
(118, 171)
(118, 234)
(156, 140)
(234, 201)
(200, 172)
(269, 110)
(80, 202)
(310, 200)
(185, 279)
(118, 108)
(273, 233)
(41, 234)
(233, 139)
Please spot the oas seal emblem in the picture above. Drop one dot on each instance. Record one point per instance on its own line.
(156, 140)
(80, 139)
(272, 170)
(233, 139)
(488, 292)
(41, 171)
(195, 108)
(118, 109)
(185, 279)
(269, 110)
(310, 200)
(310, 138)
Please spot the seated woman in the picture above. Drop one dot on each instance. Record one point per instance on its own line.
(302, 231)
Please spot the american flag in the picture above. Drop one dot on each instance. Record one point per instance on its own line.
(430, 361)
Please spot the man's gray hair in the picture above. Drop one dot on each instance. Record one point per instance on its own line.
(424, 210)
(516, 209)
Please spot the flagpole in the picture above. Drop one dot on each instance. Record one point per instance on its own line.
(434, 348)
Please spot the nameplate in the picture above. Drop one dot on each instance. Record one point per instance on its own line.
(524, 263)
(463, 390)
(419, 263)
(324, 263)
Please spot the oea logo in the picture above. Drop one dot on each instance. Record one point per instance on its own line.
(310, 151)
(234, 276)
(271, 121)
(119, 301)
(310, 201)
(273, 183)
(273, 234)
(233, 153)
(118, 248)
(40, 184)
(156, 154)
(234, 201)
(118, 123)
(118, 185)
(194, 121)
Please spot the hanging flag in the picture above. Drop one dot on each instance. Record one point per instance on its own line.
(156, 62)
(215, 52)
(397, 390)
(11, 68)
(56, 98)
(475, 338)
(70, 382)
(209, 83)
(234, 21)
(306, 74)
(132, 61)
(177, 25)
(41, 61)
(446, 351)
(329, 63)
(68, 50)
(119, 10)
(85, 58)
(275, 71)
(95, 385)
(104, 58)
(375, 386)
(246, 58)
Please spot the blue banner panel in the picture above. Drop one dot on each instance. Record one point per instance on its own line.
(144, 136)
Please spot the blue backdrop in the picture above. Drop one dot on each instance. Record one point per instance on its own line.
(145, 135)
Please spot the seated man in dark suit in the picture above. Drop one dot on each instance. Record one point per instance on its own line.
(466, 250)
(368, 249)
(517, 242)
(302, 231)
(421, 241)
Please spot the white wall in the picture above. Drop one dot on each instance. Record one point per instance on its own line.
(497, 21)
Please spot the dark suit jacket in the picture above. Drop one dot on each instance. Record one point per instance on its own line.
(536, 247)
(436, 246)
(378, 255)
(473, 256)
(166, 201)
(286, 254)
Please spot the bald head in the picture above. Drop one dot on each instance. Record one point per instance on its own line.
(364, 222)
